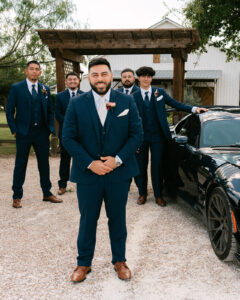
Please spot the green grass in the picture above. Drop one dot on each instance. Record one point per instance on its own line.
(5, 134)
(3, 119)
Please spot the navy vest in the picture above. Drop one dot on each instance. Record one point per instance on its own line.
(36, 111)
(151, 126)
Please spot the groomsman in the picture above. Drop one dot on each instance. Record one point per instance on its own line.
(62, 100)
(151, 103)
(31, 120)
(128, 82)
(102, 131)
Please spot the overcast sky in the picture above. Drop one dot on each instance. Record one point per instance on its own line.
(107, 14)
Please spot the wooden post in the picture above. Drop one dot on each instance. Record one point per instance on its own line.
(60, 76)
(179, 58)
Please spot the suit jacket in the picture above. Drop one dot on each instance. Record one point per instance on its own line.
(161, 98)
(134, 89)
(81, 136)
(18, 111)
(62, 101)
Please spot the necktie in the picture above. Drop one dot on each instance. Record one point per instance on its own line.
(102, 111)
(146, 99)
(34, 92)
(126, 92)
(73, 94)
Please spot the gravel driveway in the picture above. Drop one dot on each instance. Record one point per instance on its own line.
(168, 249)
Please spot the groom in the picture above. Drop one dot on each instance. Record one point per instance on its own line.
(102, 131)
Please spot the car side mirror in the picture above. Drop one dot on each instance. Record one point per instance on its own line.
(181, 139)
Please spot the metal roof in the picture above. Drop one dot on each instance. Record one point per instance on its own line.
(190, 75)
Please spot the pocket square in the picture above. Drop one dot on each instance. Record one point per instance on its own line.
(124, 113)
(160, 98)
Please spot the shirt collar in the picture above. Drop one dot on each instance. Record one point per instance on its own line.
(149, 90)
(75, 91)
(98, 97)
(130, 89)
(30, 84)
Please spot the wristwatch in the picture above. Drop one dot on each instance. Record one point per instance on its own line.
(118, 161)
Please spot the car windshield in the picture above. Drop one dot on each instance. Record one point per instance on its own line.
(221, 132)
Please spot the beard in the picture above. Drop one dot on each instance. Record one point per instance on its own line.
(101, 91)
(127, 84)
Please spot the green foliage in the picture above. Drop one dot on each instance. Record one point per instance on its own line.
(217, 22)
(19, 41)
(192, 98)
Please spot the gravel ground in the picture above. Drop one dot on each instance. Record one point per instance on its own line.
(168, 249)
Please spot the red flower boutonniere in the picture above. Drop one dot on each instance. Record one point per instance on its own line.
(44, 91)
(156, 93)
(111, 105)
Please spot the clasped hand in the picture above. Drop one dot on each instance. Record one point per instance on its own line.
(101, 167)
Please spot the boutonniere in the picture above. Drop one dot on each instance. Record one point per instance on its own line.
(110, 105)
(156, 93)
(44, 91)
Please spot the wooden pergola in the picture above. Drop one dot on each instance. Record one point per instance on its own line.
(69, 47)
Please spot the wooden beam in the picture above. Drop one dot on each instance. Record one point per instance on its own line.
(60, 73)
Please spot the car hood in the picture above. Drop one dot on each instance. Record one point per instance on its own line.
(224, 155)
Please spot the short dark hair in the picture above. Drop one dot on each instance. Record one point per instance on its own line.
(98, 61)
(72, 74)
(127, 70)
(33, 62)
(145, 71)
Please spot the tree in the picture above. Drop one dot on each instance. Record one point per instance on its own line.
(19, 40)
(217, 22)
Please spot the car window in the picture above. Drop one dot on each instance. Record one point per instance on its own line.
(191, 129)
(220, 132)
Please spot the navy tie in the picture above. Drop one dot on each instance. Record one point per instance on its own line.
(73, 94)
(126, 91)
(146, 99)
(34, 92)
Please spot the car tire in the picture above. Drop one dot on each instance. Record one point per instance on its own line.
(220, 225)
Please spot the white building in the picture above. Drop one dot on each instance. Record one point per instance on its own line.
(215, 80)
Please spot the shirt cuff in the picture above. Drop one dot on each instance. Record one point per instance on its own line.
(89, 165)
(118, 159)
(194, 109)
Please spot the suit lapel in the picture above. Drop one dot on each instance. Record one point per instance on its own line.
(93, 112)
(111, 112)
(43, 98)
(139, 102)
(27, 93)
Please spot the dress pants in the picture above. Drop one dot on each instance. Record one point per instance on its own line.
(90, 198)
(38, 137)
(156, 149)
(64, 169)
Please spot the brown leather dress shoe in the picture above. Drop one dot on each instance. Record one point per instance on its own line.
(141, 199)
(80, 273)
(52, 199)
(17, 203)
(161, 202)
(61, 191)
(122, 270)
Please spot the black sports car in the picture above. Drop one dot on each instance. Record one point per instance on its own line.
(203, 168)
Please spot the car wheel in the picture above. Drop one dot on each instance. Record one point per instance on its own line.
(220, 225)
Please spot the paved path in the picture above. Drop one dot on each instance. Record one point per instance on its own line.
(168, 250)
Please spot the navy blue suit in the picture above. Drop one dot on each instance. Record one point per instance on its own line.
(156, 132)
(32, 120)
(62, 101)
(134, 89)
(86, 140)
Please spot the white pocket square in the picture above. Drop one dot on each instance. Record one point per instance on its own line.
(124, 113)
(160, 98)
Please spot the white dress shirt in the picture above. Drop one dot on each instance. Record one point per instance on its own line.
(75, 91)
(30, 84)
(129, 90)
